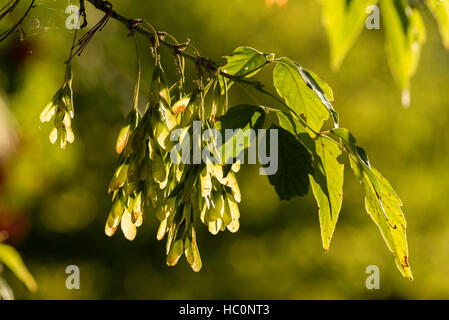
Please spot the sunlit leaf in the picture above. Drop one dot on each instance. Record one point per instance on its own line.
(243, 117)
(440, 10)
(405, 33)
(387, 214)
(302, 99)
(322, 90)
(359, 155)
(245, 62)
(344, 20)
(327, 186)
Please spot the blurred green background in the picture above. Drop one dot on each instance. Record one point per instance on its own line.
(54, 203)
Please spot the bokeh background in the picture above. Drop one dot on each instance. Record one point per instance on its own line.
(53, 203)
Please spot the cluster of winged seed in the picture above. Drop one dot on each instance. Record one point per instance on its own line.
(181, 194)
(220, 195)
(61, 109)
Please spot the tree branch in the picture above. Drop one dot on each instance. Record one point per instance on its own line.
(129, 23)
(205, 62)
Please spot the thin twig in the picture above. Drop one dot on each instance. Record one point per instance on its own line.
(85, 39)
(5, 10)
(205, 62)
(6, 34)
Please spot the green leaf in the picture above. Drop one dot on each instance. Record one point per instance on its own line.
(327, 180)
(322, 86)
(327, 186)
(359, 155)
(405, 33)
(440, 10)
(344, 21)
(385, 210)
(347, 137)
(246, 62)
(242, 117)
(302, 99)
(381, 201)
(294, 166)
(289, 123)
(322, 90)
(11, 258)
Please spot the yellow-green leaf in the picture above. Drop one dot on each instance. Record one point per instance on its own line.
(405, 33)
(344, 21)
(440, 10)
(246, 62)
(290, 85)
(385, 210)
(327, 186)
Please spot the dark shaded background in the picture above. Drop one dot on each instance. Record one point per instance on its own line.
(54, 203)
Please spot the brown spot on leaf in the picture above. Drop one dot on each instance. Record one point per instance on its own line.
(177, 109)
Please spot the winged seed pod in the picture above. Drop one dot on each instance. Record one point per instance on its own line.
(220, 195)
(159, 90)
(130, 124)
(144, 173)
(181, 105)
(178, 224)
(115, 215)
(61, 109)
(179, 193)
